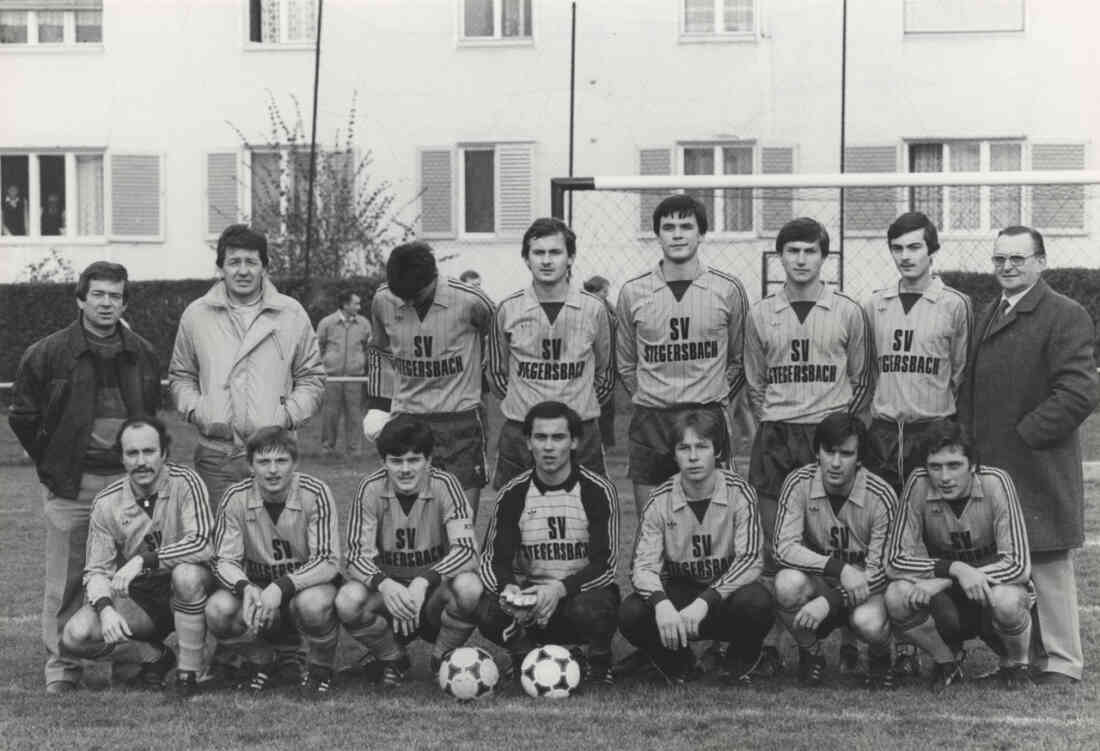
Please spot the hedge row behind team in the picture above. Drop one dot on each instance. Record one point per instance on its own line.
(245, 357)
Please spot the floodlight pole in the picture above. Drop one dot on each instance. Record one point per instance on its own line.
(313, 139)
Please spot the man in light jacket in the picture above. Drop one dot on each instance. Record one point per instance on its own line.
(343, 337)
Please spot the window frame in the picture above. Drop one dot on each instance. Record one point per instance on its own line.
(282, 44)
(35, 200)
(695, 37)
(497, 39)
(717, 219)
(68, 43)
(930, 32)
(460, 179)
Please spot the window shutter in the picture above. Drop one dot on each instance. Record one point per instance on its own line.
(223, 206)
(777, 204)
(870, 209)
(437, 193)
(516, 191)
(137, 197)
(1058, 206)
(652, 162)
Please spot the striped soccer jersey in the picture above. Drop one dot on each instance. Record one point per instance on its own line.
(919, 355)
(810, 537)
(180, 530)
(799, 372)
(990, 534)
(302, 549)
(434, 540)
(541, 534)
(686, 351)
(569, 360)
(722, 553)
(437, 362)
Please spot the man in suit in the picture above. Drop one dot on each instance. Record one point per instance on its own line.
(1031, 381)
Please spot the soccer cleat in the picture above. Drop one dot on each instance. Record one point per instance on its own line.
(944, 674)
(393, 672)
(187, 684)
(735, 671)
(906, 661)
(58, 688)
(599, 672)
(677, 668)
(435, 663)
(1015, 677)
(289, 667)
(316, 682)
(849, 659)
(151, 675)
(259, 679)
(880, 672)
(769, 664)
(811, 667)
(635, 662)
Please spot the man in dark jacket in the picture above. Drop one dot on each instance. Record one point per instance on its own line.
(1030, 382)
(73, 391)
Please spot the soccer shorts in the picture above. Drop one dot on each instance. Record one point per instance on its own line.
(578, 618)
(652, 442)
(514, 457)
(959, 618)
(894, 450)
(779, 449)
(152, 593)
(459, 444)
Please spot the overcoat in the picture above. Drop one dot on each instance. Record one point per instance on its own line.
(1030, 382)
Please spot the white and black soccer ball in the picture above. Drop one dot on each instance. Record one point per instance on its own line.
(468, 673)
(550, 672)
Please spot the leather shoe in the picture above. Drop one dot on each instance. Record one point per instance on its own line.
(1052, 678)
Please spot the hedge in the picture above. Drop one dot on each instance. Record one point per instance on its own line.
(29, 312)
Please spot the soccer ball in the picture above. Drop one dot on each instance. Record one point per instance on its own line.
(468, 673)
(550, 671)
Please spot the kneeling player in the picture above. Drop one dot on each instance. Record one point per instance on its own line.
(831, 530)
(697, 560)
(554, 539)
(411, 554)
(277, 554)
(959, 560)
(145, 575)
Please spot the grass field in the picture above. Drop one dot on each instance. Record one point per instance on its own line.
(635, 714)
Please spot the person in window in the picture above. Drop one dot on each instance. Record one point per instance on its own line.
(53, 216)
(15, 211)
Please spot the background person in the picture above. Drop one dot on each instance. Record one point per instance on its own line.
(343, 338)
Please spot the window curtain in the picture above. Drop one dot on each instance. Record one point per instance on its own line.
(89, 191)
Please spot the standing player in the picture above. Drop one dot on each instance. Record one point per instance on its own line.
(436, 332)
(679, 342)
(959, 559)
(411, 555)
(276, 554)
(807, 354)
(149, 539)
(555, 536)
(921, 330)
(831, 533)
(554, 342)
(697, 558)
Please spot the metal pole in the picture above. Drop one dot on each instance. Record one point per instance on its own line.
(572, 97)
(843, 125)
(313, 139)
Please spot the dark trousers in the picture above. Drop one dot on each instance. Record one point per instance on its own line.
(584, 618)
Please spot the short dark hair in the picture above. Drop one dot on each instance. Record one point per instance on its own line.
(545, 227)
(103, 271)
(552, 411)
(707, 424)
(596, 283)
(680, 204)
(244, 237)
(343, 297)
(838, 427)
(914, 220)
(1036, 237)
(804, 230)
(944, 434)
(271, 438)
(467, 275)
(153, 422)
(410, 268)
(403, 434)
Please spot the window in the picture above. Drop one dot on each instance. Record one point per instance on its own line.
(969, 208)
(718, 19)
(51, 24)
(954, 16)
(277, 189)
(729, 210)
(59, 194)
(289, 22)
(487, 20)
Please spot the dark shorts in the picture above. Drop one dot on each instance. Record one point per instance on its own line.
(652, 443)
(514, 457)
(592, 615)
(888, 444)
(959, 618)
(459, 445)
(779, 449)
(152, 593)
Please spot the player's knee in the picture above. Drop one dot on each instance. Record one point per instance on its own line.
(1008, 602)
(314, 607)
(80, 632)
(466, 592)
(792, 588)
(753, 603)
(350, 601)
(869, 621)
(897, 600)
(221, 612)
(189, 581)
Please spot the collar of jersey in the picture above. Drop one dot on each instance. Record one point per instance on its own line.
(856, 496)
(720, 495)
(976, 490)
(255, 500)
(699, 279)
(160, 487)
(780, 301)
(531, 300)
(935, 289)
(567, 485)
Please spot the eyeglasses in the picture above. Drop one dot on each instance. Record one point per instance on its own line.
(1017, 261)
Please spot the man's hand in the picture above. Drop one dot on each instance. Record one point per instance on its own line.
(972, 581)
(120, 582)
(670, 625)
(920, 596)
(812, 614)
(268, 609)
(250, 605)
(523, 614)
(398, 601)
(114, 627)
(693, 616)
(854, 581)
(548, 596)
(418, 592)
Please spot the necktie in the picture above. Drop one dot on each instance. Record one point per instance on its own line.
(1002, 310)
